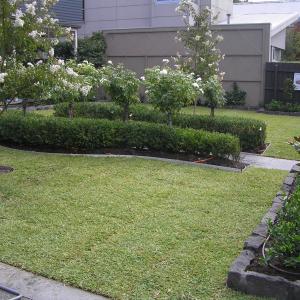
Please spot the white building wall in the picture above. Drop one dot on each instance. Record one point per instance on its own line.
(129, 14)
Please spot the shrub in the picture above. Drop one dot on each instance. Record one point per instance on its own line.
(169, 90)
(288, 90)
(90, 134)
(296, 143)
(276, 105)
(252, 133)
(121, 85)
(236, 96)
(285, 234)
(214, 94)
(92, 49)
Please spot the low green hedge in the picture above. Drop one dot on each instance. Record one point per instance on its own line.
(82, 134)
(251, 132)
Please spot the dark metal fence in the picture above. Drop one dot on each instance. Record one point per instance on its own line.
(276, 74)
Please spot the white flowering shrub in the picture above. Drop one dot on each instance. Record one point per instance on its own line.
(121, 85)
(52, 79)
(203, 56)
(171, 89)
(214, 93)
(28, 29)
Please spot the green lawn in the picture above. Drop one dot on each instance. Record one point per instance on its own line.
(129, 228)
(280, 129)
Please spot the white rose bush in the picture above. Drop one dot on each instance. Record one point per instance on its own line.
(122, 85)
(28, 69)
(169, 90)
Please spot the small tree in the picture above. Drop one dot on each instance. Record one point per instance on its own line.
(169, 90)
(28, 32)
(121, 85)
(43, 81)
(214, 94)
(288, 90)
(203, 56)
(292, 51)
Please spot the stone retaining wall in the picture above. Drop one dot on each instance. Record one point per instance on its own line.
(259, 284)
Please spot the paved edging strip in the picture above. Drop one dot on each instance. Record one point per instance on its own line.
(259, 284)
(36, 287)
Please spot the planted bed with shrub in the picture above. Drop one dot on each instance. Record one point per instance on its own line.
(251, 132)
(82, 134)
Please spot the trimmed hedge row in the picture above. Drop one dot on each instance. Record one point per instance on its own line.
(251, 132)
(82, 134)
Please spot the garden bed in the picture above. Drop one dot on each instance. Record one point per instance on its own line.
(248, 274)
(227, 164)
(278, 113)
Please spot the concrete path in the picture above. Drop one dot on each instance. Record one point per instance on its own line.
(35, 287)
(267, 162)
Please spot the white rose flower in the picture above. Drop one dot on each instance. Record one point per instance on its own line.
(163, 72)
(2, 77)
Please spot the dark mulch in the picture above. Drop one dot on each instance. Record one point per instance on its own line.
(259, 266)
(5, 169)
(182, 156)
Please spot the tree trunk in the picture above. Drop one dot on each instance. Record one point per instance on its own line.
(170, 120)
(71, 110)
(212, 111)
(24, 107)
(126, 113)
(195, 106)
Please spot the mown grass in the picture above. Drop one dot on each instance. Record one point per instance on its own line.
(129, 228)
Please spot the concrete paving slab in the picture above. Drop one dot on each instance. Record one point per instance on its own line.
(267, 162)
(35, 287)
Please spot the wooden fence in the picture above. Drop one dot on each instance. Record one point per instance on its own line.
(276, 74)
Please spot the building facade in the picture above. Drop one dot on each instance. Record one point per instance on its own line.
(129, 14)
(140, 33)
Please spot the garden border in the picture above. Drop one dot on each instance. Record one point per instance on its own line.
(278, 113)
(167, 160)
(260, 284)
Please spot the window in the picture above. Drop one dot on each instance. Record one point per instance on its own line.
(166, 1)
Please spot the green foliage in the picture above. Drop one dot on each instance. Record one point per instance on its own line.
(276, 105)
(285, 234)
(51, 80)
(288, 90)
(251, 132)
(214, 94)
(25, 28)
(64, 50)
(236, 96)
(296, 143)
(292, 51)
(121, 85)
(92, 49)
(204, 55)
(90, 134)
(169, 90)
